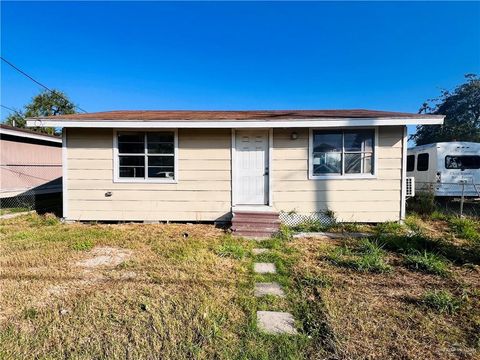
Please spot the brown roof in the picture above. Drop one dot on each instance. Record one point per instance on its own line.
(266, 115)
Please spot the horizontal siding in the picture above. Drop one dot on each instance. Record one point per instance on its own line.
(183, 185)
(131, 215)
(102, 174)
(202, 192)
(363, 200)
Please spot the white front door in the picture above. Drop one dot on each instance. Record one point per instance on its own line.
(251, 167)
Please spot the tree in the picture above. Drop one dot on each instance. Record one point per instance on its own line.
(462, 115)
(47, 103)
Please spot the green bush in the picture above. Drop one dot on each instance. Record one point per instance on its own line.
(442, 301)
(423, 203)
(427, 262)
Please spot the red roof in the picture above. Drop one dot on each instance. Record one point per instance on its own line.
(267, 115)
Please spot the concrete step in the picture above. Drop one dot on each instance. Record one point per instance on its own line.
(254, 234)
(258, 251)
(247, 227)
(255, 220)
(264, 268)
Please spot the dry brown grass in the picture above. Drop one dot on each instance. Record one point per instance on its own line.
(186, 291)
(379, 316)
(169, 294)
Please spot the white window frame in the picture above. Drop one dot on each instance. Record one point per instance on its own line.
(311, 176)
(116, 162)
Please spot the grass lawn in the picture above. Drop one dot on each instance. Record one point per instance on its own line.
(186, 291)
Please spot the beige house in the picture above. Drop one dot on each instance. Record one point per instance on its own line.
(206, 165)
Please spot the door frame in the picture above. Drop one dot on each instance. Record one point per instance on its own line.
(269, 163)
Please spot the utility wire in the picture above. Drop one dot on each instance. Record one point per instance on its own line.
(38, 82)
(10, 109)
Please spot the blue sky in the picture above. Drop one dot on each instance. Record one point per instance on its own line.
(152, 55)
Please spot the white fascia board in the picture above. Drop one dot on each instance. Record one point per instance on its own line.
(23, 134)
(239, 124)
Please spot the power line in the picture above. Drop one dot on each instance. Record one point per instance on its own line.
(10, 109)
(39, 83)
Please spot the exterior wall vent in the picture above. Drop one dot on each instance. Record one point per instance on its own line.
(410, 187)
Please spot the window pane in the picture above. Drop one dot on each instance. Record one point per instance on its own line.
(160, 148)
(359, 140)
(160, 142)
(132, 172)
(358, 163)
(132, 160)
(131, 143)
(153, 137)
(326, 142)
(410, 162)
(422, 162)
(462, 162)
(327, 163)
(161, 172)
(160, 160)
(353, 163)
(367, 163)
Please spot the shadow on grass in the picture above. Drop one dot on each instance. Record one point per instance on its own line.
(419, 242)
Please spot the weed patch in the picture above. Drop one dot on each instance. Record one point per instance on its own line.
(441, 301)
(368, 257)
(84, 245)
(465, 228)
(231, 249)
(427, 262)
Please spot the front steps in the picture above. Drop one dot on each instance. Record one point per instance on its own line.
(256, 223)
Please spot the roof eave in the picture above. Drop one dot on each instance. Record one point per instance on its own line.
(254, 123)
(30, 135)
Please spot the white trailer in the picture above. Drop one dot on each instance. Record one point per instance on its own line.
(446, 168)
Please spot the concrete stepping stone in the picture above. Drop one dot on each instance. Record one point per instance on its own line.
(274, 322)
(272, 288)
(332, 235)
(264, 268)
(258, 251)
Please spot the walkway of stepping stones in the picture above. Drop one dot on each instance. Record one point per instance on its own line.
(271, 322)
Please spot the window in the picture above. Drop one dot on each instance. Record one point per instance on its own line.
(146, 156)
(422, 162)
(342, 153)
(462, 162)
(410, 162)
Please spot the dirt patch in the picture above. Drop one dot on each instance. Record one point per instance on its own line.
(105, 257)
(100, 258)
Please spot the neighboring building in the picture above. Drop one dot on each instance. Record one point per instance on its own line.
(30, 162)
(447, 169)
(204, 165)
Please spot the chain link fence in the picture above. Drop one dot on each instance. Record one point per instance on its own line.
(461, 198)
(27, 187)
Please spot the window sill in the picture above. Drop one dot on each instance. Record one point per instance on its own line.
(342, 177)
(145, 181)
